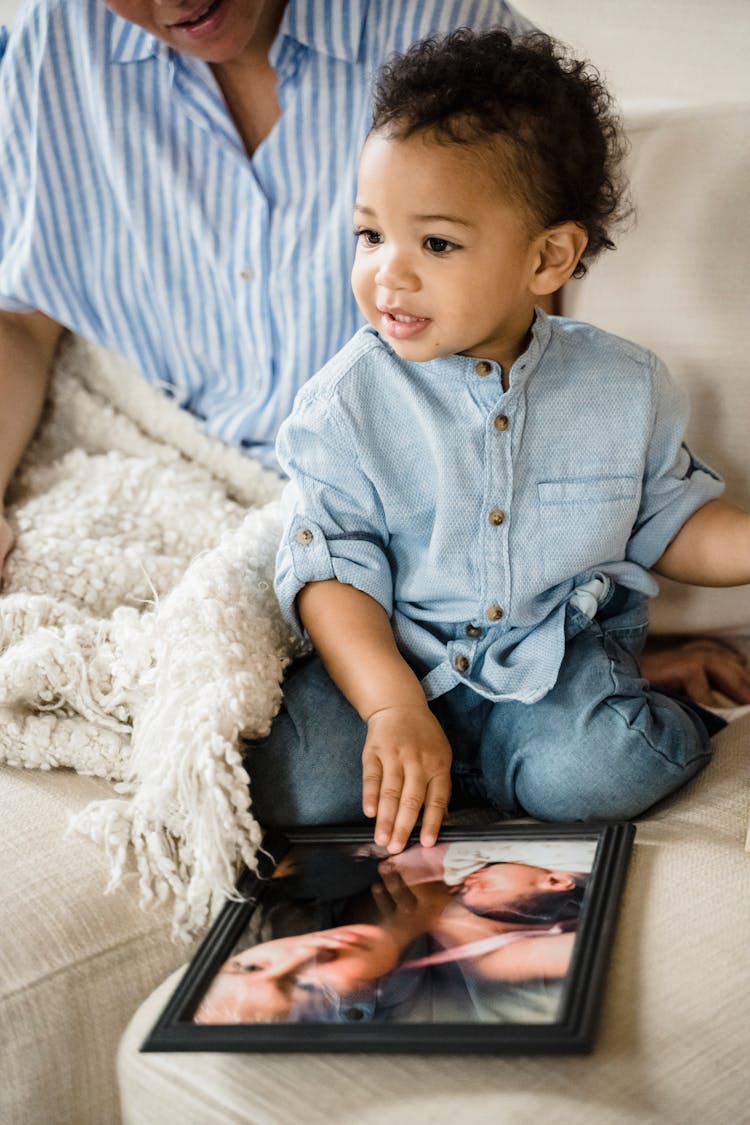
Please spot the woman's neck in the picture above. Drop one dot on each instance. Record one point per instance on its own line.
(248, 81)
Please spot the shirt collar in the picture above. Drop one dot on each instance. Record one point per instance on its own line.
(329, 29)
(130, 43)
(541, 330)
(465, 365)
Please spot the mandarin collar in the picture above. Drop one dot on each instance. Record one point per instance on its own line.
(541, 330)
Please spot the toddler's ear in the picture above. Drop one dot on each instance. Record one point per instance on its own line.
(558, 251)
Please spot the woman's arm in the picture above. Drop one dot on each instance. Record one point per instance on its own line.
(407, 758)
(27, 344)
(535, 958)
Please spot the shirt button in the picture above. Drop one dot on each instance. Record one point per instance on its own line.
(495, 612)
(460, 663)
(304, 536)
(473, 631)
(496, 517)
(501, 422)
(483, 367)
(247, 274)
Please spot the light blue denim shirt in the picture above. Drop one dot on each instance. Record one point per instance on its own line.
(472, 514)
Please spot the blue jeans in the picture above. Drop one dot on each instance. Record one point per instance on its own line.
(600, 744)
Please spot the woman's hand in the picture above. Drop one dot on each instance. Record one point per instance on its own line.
(708, 671)
(406, 764)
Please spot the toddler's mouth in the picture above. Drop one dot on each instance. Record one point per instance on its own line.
(403, 318)
(400, 325)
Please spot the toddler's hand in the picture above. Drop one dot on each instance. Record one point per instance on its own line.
(406, 765)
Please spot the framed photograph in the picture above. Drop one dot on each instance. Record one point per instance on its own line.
(495, 940)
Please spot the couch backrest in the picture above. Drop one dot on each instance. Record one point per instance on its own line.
(679, 283)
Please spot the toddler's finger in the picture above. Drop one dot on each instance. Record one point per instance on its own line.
(408, 810)
(435, 807)
(388, 804)
(372, 776)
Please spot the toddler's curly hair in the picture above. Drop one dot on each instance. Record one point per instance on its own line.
(551, 111)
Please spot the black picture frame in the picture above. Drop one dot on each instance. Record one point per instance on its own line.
(497, 1015)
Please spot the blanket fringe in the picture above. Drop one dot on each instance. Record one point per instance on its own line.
(140, 638)
(219, 657)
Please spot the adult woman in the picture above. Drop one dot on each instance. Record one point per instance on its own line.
(164, 193)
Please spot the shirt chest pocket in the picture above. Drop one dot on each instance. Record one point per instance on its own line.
(584, 522)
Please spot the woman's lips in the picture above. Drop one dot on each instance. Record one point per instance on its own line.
(401, 325)
(204, 21)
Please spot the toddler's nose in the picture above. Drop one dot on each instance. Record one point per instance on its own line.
(395, 272)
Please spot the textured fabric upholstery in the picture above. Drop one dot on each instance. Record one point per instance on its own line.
(73, 964)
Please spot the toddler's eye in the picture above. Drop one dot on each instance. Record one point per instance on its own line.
(369, 237)
(439, 245)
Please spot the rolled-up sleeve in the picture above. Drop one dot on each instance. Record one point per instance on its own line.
(334, 526)
(676, 482)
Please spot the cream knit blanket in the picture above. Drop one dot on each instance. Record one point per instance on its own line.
(139, 632)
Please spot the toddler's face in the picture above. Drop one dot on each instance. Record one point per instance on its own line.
(444, 259)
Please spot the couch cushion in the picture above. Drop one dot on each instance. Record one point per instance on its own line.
(678, 284)
(673, 1043)
(74, 964)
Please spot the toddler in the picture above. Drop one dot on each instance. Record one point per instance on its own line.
(478, 490)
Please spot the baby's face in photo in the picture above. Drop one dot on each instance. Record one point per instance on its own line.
(498, 884)
(444, 257)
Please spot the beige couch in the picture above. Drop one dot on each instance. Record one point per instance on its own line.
(674, 1039)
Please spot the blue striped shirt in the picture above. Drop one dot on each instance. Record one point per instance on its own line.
(131, 213)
